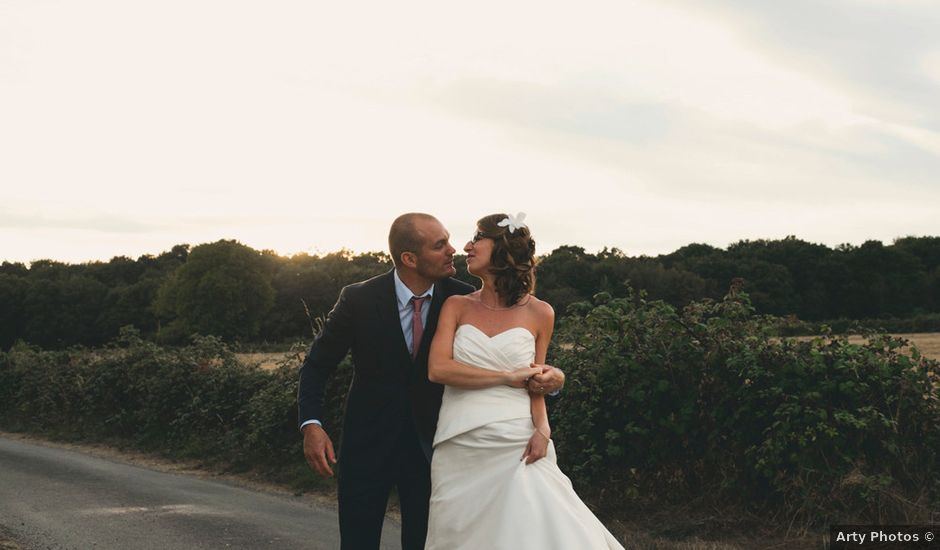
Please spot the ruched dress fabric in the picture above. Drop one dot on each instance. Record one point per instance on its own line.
(482, 495)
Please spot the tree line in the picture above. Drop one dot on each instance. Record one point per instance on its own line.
(244, 295)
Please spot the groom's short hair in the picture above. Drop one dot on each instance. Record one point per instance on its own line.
(403, 237)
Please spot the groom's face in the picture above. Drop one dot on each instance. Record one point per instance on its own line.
(435, 260)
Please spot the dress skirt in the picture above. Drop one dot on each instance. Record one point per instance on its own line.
(483, 496)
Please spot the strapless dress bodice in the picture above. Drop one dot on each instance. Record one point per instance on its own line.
(462, 409)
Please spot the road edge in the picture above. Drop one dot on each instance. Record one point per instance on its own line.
(192, 468)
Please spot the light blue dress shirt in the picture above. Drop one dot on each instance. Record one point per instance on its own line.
(406, 310)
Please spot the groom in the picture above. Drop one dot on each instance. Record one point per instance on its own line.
(391, 408)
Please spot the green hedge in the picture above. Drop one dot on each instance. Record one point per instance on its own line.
(703, 405)
(661, 406)
(196, 401)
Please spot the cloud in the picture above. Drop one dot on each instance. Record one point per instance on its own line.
(574, 111)
(873, 50)
(103, 223)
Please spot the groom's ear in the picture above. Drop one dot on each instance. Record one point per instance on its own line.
(409, 259)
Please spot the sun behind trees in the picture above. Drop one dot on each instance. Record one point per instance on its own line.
(231, 290)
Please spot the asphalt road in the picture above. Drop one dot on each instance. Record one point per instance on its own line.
(52, 498)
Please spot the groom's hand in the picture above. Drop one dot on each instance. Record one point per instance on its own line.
(549, 381)
(318, 449)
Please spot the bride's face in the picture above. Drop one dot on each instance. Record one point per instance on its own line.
(478, 250)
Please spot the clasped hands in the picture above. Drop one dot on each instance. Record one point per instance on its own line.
(538, 378)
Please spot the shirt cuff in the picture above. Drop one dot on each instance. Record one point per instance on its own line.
(317, 422)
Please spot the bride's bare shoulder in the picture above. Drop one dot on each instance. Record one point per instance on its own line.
(458, 301)
(460, 298)
(541, 308)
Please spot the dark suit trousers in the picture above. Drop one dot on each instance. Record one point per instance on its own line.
(363, 498)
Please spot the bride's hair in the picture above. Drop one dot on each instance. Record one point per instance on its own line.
(513, 258)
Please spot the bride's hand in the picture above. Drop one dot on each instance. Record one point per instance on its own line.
(548, 381)
(537, 447)
(518, 377)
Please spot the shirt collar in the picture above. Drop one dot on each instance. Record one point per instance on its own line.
(404, 294)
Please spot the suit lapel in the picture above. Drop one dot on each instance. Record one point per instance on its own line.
(437, 302)
(387, 306)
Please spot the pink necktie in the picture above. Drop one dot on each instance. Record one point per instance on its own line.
(417, 327)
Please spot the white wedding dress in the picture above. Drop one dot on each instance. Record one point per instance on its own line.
(482, 495)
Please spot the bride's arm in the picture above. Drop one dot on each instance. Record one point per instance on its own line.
(538, 443)
(443, 369)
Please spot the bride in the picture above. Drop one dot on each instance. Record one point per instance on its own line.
(494, 478)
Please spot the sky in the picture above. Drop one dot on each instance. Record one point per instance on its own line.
(130, 127)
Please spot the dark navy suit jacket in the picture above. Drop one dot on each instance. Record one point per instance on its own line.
(390, 392)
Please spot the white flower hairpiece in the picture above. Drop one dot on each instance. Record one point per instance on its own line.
(513, 222)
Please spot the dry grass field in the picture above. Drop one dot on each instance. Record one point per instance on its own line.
(927, 342)
(267, 361)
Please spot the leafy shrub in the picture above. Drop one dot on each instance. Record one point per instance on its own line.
(271, 440)
(194, 401)
(42, 388)
(700, 403)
